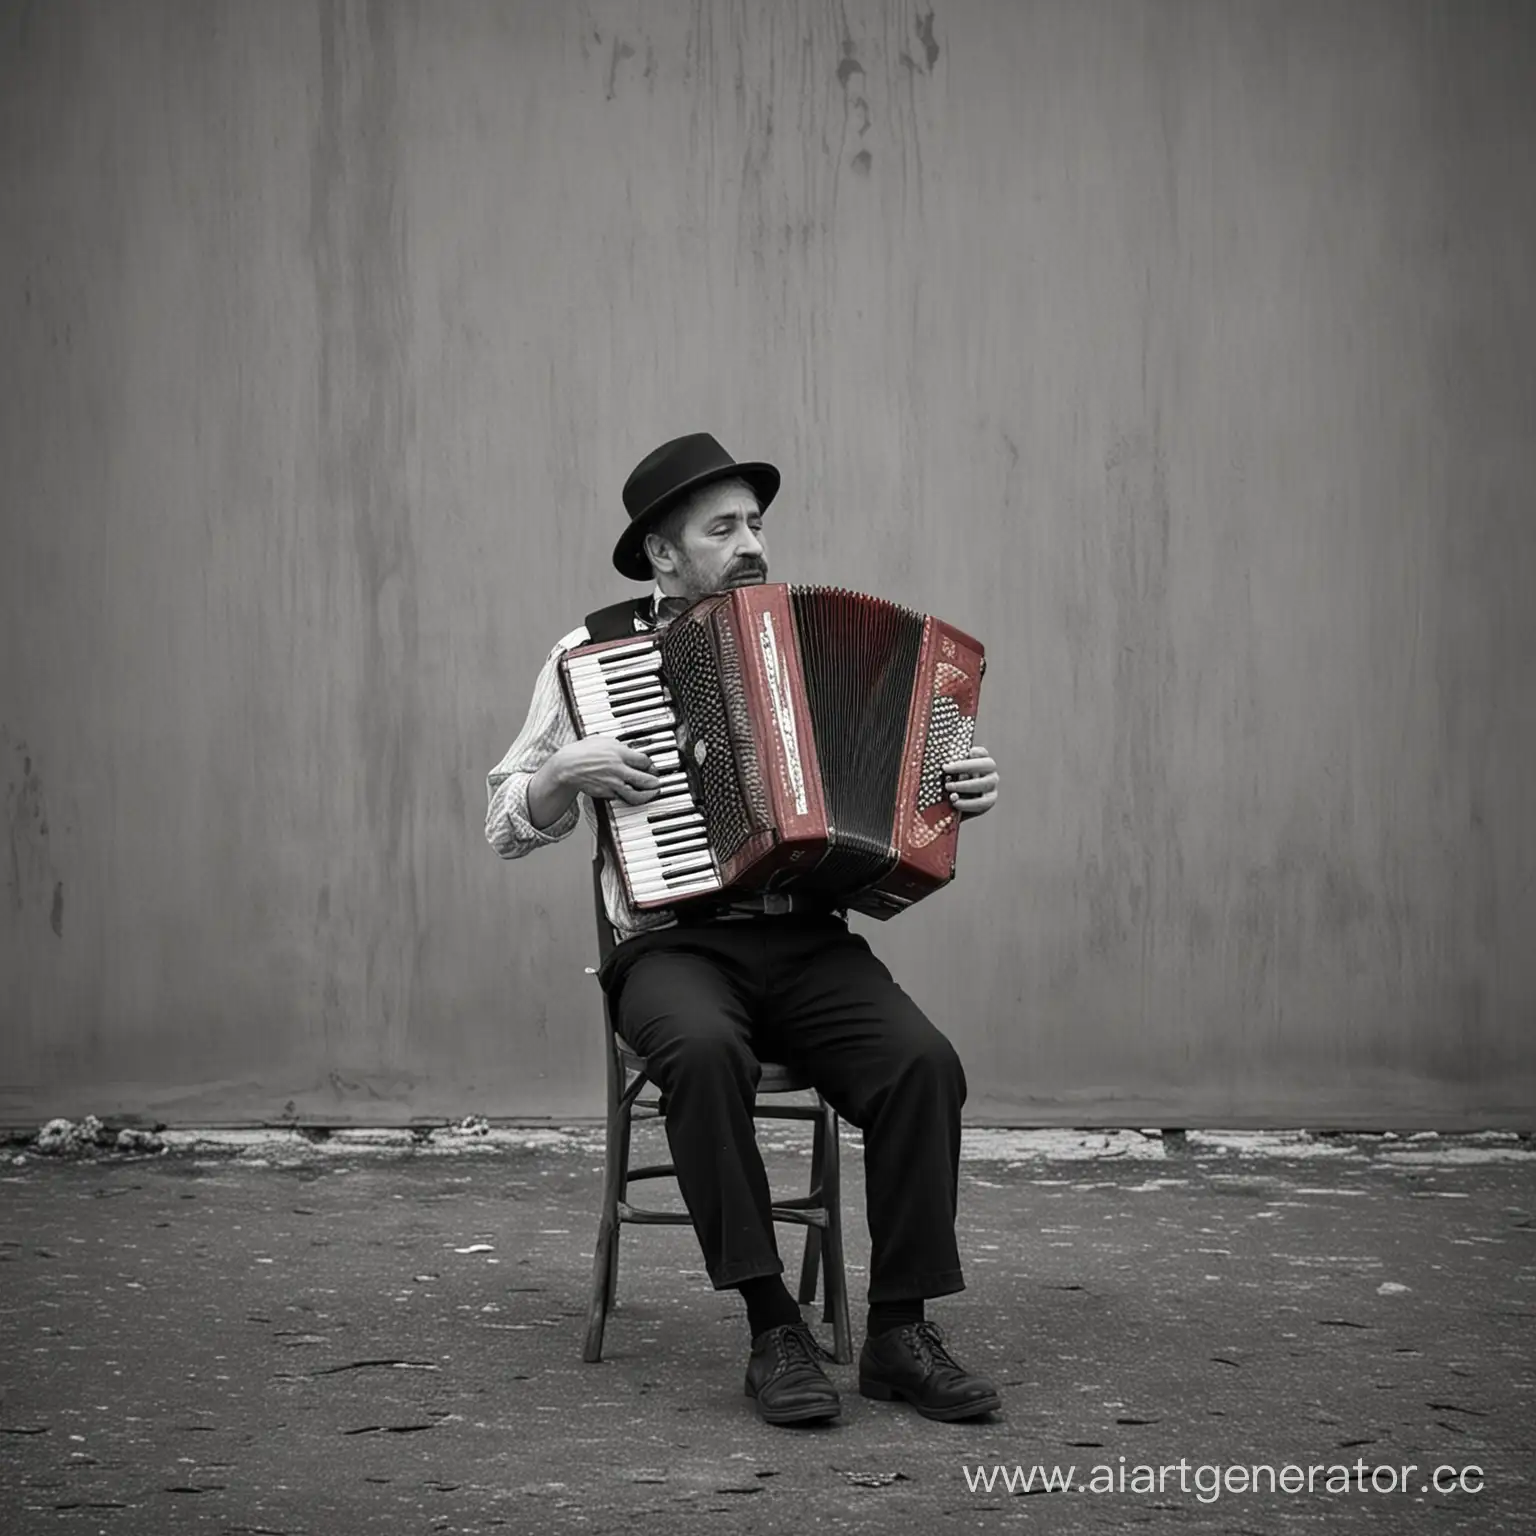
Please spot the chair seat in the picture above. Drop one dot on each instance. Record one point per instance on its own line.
(776, 1078)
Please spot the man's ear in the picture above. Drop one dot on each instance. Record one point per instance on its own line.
(659, 552)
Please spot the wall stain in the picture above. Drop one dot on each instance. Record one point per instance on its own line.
(925, 37)
(31, 877)
(854, 99)
(621, 51)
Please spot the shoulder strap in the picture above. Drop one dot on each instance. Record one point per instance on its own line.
(605, 935)
(616, 621)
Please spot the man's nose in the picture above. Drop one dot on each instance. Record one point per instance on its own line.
(753, 543)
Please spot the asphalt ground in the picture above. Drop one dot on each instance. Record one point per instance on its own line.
(383, 1334)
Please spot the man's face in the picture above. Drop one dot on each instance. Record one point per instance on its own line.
(719, 545)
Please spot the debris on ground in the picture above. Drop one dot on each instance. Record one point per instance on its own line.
(65, 1138)
(131, 1140)
(72, 1138)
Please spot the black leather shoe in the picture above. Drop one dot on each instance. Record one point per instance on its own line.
(911, 1362)
(785, 1376)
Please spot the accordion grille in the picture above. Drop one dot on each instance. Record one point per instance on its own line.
(733, 689)
(695, 679)
(859, 656)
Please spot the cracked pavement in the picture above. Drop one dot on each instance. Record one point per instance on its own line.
(380, 1331)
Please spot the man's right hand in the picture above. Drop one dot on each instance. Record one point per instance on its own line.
(606, 769)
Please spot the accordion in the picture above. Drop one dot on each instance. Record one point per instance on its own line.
(800, 733)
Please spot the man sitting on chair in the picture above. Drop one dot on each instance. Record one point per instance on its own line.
(699, 991)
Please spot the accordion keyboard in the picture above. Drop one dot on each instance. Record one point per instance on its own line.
(664, 844)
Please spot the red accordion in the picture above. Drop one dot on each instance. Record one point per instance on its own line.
(800, 733)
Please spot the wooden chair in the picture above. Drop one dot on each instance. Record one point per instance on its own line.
(819, 1211)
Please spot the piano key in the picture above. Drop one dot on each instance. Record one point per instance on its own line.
(622, 696)
(661, 890)
(634, 728)
(706, 880)
(595, 690)
(636, 737)
(683, 876)
(668, 829)
(605, 682)
(613, 661)
(640, 843)
(673, 855)
(617, 660)
(621, 655)
(677, 803)
(660, 900)
(680, 819)
(687, 816)
(638, 857)
(680, 843)
(642, 735)
(631, 735)
(641, 834)
(596, 703)
(649, 875)
(618, 652)
(641, 846)
(648, 831)
(664, 802)
(588, 691)
(647, 868)
(612, 676)
(613, 697)
(670, 861)
(602, 698)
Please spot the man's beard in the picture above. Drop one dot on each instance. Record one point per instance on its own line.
(739, 574)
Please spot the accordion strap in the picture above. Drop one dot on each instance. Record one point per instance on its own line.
(617, 620)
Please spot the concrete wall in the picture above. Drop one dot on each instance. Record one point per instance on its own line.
(1184, 352)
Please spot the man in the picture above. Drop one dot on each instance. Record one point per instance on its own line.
(698, 991)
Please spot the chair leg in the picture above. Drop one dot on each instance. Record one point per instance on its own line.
(811, 1260)
(605, 1259)
(621, 1190)
(836, 1274)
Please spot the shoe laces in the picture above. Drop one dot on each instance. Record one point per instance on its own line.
(795, 1339)
(928, 1342)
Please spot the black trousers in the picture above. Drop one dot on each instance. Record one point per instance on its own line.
(704, 1003)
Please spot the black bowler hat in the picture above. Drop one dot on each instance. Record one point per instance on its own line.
(661, 478)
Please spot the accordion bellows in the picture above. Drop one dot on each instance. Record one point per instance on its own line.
(801, 732)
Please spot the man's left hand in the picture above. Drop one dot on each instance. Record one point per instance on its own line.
(971, 783)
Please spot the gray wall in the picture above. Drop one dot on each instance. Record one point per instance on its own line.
(1184, 352)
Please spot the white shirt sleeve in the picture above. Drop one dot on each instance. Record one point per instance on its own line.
(547, 728)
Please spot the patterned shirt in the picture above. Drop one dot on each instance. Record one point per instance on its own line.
(549, 727)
